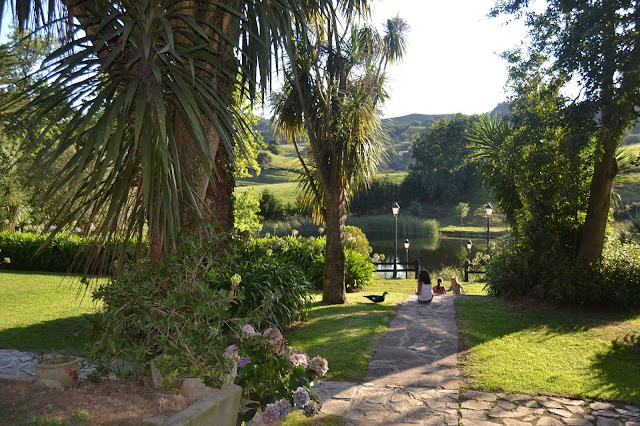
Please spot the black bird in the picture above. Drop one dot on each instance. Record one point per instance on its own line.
(377, 299)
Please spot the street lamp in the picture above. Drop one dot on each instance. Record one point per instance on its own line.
(395, 209)
(466, 270)
(406, 247)
(488, 210)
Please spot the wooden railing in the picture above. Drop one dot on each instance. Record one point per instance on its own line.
(407, 267)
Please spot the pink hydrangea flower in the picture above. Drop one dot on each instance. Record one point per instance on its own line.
(299, 359)
(249, 331)
(275, 338)
(231, 351)
(319, 365)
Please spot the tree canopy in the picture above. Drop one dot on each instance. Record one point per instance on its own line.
(597, 45)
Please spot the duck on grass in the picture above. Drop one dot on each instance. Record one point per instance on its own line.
(377, 299)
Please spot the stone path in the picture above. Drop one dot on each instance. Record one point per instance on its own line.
(413, 379)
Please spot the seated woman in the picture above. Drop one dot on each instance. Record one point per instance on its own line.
(456, 287)
(425, 295)
(439, 289)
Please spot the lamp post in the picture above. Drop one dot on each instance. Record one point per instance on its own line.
(406, 247)
(395, 209)
(466, 270)
(488, 210)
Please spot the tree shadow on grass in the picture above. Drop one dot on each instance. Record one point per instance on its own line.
(616, 370)
(65, 336)
(619, 368)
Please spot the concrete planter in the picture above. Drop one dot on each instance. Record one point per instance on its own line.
(218, 408)
(64, 372)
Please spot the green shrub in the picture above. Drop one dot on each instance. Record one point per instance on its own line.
(274, 283)
(358, 271)
(66, 252)
(356, 240)
(168, 313)
(613, 283)
(305, 256)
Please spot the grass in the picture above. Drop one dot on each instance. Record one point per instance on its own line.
(549, 351)
(298, 419)
(457, 229)
(41, 312)
(285, 192)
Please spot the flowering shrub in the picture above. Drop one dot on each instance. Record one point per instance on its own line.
(274, 375)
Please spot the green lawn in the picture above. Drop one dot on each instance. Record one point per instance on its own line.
(285, 192)
(549, 351)
(43, 312)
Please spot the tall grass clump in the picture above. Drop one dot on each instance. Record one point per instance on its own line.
(408, 225)
(302, 226)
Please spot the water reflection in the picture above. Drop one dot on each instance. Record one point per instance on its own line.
(433, 253)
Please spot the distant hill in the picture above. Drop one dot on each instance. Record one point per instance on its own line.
(424, 120)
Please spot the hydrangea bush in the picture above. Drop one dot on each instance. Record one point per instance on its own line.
(273, 375)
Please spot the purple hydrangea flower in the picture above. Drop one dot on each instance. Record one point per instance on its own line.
(284, 407)
(301, 397)
(243, 361)
(271, 414)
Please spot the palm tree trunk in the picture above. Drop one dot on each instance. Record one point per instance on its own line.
(333, 286)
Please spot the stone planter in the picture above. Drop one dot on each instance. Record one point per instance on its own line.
(192, 388)
(61, 370)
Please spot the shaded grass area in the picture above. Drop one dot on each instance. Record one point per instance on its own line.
(23, 414)
(43, 312)
(347, 335)
(549, 351)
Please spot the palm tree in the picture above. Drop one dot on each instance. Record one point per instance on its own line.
(333, 87)
(150, 89)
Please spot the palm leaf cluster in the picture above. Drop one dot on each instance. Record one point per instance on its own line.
(333, 88)
(149, 88)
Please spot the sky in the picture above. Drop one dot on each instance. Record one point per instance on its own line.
(452, 62)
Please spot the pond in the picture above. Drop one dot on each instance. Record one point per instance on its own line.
(433, 253)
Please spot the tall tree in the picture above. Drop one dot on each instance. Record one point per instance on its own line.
(440, 167)
(150, 88)
(332, 89)
(597, 44)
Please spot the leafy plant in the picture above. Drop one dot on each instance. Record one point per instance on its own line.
(358, 271)
(274, 375)
(356, 240)
(169, 313)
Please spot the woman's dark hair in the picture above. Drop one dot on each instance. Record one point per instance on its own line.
(424, 277)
